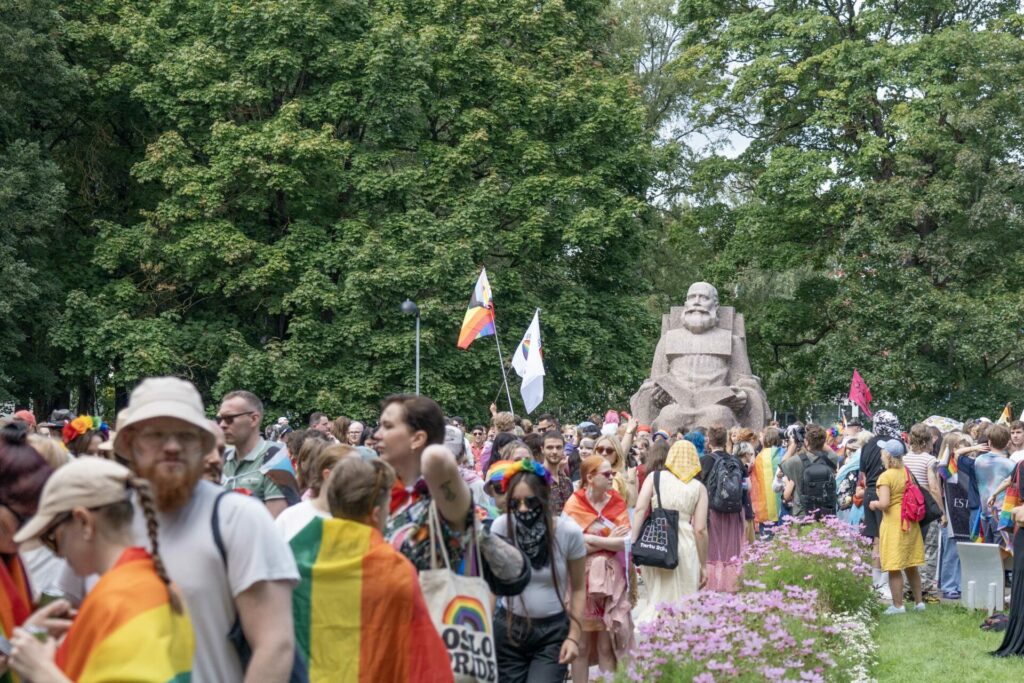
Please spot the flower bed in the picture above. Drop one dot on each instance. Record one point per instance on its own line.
(828, 556)
(801, 616)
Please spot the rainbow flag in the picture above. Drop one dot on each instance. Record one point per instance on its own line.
(360, 616)
(15, 602)
(1012, 500)
(479, 320)
(766, 503)
(952, 468)
(127, 631)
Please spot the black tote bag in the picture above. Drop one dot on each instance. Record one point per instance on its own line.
(658, 544)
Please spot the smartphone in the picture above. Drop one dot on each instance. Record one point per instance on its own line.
(5, 647)
(49, 595)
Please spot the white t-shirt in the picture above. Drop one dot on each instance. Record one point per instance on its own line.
(295, 518)
(539, 600)
(256, 552)
(1017, 457)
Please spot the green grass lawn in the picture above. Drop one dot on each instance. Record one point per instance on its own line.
(941, 645)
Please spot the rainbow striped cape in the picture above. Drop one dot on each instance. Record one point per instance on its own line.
(360, 616)
(766, 503)
(127, 631)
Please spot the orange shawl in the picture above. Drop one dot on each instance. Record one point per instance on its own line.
(579, 508)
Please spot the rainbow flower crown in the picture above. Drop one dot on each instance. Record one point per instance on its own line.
(82, 425)
(500, 473)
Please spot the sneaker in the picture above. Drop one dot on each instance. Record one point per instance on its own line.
(919, 607)
(931, 598)
(952, 595)
(892, 609)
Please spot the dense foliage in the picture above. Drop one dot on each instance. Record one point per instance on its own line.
(243, 193)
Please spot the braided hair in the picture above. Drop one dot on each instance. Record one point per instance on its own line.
(141, 487)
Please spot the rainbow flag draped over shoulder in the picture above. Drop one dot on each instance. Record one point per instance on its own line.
(126, 629)
(479, 320)
(615, 513)
(1013, 499)
(15, 602)
(360, 616)
(767, 503)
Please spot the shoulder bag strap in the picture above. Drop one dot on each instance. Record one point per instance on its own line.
(215, 524)
(657, 487)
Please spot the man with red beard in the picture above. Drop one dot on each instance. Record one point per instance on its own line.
(164, 434)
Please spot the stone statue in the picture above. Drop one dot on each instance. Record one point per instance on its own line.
(701, 374)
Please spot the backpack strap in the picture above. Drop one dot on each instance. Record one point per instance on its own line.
(215, 525)
(804, 459)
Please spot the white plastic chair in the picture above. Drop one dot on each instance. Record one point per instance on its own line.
(981, 576)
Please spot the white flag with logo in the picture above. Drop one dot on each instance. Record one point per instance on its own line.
(528, 362)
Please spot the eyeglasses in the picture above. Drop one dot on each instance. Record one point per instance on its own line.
(158, 437)
(605, 450)
(228, 419)
(49, 537)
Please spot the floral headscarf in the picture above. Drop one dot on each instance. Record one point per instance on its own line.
(887, 425)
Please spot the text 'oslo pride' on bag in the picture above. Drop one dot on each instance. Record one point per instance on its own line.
(460, 607)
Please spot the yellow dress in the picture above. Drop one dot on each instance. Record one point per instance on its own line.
(899, 549)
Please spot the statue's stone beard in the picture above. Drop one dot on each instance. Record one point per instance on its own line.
(699, 321)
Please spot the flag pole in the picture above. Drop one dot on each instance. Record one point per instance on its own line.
(501, 362)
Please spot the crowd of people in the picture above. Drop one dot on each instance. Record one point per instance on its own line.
(412, 548)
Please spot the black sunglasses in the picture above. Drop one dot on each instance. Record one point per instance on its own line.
(49, 537)
(532, 502)
(228, 419)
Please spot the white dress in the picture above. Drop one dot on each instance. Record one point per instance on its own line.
(669, 585)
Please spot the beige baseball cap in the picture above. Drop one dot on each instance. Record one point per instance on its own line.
(87, 482)
(163, 397)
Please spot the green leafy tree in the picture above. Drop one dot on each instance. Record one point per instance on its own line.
(312, 164)
(874, 219)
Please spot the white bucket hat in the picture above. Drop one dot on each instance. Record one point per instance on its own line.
(163, 397)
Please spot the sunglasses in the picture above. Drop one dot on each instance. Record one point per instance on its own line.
(49, 537)
(605, 450)
(478, 433)
(228, 419)
(531, 502)
(607, 475)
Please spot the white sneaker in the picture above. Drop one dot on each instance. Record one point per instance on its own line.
(892, 609)
(919, 607)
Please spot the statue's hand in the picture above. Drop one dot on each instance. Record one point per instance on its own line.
(737, 401)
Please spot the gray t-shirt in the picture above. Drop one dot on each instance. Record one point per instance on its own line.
(794, 471)
(539, 600)
(256, 552)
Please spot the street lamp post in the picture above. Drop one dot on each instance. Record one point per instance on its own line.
(409, 307)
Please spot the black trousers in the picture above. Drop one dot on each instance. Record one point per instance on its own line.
(530, 655)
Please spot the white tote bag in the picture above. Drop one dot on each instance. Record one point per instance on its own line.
(461, 609)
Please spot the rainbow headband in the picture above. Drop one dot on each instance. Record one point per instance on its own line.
(501, 472)
(82, 425)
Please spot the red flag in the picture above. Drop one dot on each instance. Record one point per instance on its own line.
(860, 394)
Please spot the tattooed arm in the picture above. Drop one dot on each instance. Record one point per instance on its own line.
(446, 486)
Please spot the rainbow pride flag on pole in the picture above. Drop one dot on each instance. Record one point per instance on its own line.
(127, 630)
(479, 320)
(360, 616)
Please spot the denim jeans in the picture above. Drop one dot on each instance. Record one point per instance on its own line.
(949, 564)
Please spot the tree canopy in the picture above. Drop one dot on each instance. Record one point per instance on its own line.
(243, 194)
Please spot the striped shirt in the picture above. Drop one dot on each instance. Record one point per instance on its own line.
(919, 464)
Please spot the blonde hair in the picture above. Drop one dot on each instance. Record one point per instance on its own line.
(308, 453)
(619, 464)
(357, 487)
(503, 422)
(52, 451)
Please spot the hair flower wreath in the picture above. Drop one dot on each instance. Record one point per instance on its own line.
(82, 425)
(525, 465)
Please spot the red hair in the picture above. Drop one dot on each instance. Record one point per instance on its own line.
(589, 466)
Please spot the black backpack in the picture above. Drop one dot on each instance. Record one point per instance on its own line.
(818, 486)
(725, 484)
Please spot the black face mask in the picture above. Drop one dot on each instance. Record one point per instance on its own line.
(532, 535)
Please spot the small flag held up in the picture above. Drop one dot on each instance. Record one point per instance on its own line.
(860, 394)
(479, 320)
(528, 362)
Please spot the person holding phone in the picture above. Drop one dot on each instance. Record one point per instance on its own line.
(85, 515)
